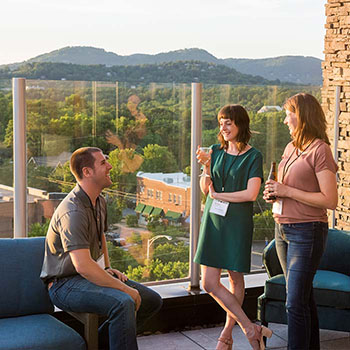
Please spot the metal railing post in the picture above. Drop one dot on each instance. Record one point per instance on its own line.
(19, 157)
(336, 136)
(196, 138)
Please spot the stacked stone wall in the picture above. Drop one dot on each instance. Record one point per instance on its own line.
(336, 72)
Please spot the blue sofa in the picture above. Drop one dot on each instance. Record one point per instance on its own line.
(25, 307)
(331, 285)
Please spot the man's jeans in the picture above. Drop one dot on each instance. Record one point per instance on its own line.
(79, 295)
(299, 248)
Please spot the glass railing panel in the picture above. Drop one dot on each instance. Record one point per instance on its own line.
(145, 130)
(152, 134)
(6, 160)
(269, 135)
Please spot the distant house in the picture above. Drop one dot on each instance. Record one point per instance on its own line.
(265, 109)
(164, 194)
(51, 161)
(40, 204)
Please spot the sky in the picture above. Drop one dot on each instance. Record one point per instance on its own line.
(225, 28)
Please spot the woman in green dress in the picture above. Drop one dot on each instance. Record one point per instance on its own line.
(231, 178)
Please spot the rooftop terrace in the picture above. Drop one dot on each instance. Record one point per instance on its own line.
(206, 338)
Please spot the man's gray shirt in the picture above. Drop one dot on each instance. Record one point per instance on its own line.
(75, 224)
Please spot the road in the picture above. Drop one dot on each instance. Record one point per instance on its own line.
(257, 248)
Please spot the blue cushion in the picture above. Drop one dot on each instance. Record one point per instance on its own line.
(22, 291)
(329, 317)
(337, 248)
(39, 332)
(330, 289)
(332, 281)
(275, 288)
(338, 243)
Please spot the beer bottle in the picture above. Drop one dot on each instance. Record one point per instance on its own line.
(273, 176)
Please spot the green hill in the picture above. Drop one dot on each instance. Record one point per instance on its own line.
(92, 55)
(296, 69)
(79, 55)
(177, 72)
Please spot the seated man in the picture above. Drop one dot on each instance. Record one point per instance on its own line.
(75, 241)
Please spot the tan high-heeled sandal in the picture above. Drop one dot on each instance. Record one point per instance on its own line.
(265, 332)
(253, 334)
(257, 340)
(227, 342)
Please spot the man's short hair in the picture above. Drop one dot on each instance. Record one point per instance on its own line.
(81, 158)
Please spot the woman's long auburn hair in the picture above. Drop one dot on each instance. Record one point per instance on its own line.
(311, 119)
(240, 117)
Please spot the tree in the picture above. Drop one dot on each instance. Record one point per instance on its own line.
(162, 120)
(135, 238)
(187, 170)
(210, 137)
(38, 230)
(130, 131)
(131, 220)
(157, 271)
(6, 172)
(170, 252)
(264, 225)
(5, 113)
(158, 159)
(38, 177)
(120, 259)
(159, 228)
(37, 126)
(154, 223)
(115, 208)
(125, 164)
(63, 177)
(270, 135)
(9, 134)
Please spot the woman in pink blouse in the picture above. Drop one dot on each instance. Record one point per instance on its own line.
(305, 189)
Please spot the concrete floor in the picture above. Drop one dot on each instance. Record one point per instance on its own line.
(206, 338)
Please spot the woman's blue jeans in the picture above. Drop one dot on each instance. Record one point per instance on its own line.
(77, 294)
(299, 248)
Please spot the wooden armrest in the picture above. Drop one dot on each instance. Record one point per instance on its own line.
(90, 322)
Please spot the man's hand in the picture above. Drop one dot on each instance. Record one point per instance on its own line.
(89, 269)
(131, 291)
(118, 274)
(136, 297)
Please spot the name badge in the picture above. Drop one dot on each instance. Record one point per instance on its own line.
(219, 207)
(277, 207)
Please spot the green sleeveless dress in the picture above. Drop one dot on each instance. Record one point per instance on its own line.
(225, 242)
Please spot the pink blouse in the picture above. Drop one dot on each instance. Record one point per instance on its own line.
(300, 172)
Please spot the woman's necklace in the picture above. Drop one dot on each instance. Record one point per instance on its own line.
(287, 166)
(228, 170)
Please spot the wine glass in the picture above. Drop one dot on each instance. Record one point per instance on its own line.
(205, 150)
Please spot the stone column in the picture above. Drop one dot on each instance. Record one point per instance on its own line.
(336, 71)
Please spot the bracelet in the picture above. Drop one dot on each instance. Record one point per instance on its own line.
(107, 267)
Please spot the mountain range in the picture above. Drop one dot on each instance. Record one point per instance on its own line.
(295, 69)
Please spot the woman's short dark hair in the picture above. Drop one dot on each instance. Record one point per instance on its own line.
(81, 158)
(241, 118)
